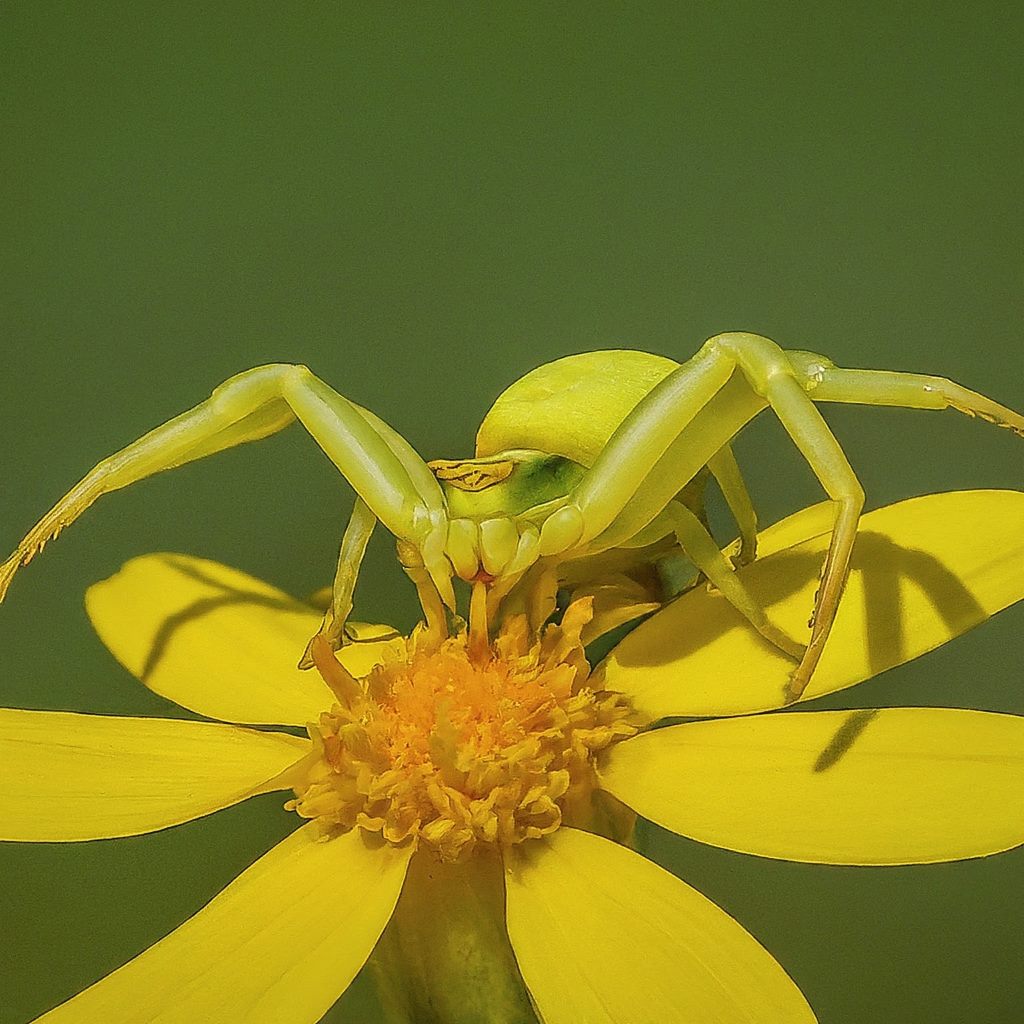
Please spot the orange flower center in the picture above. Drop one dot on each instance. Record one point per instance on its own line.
(453, 747)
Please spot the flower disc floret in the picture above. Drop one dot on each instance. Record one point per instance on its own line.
(453, 748)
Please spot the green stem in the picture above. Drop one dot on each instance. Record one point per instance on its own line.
(445, 956)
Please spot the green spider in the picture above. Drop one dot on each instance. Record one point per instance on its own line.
(589, 467)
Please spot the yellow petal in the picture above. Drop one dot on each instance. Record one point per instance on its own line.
(279, 944)
(891, 786)
(69, 777)
(368, 643)
(616, 601)
(604, 936)
(924, 571)
(216, 640)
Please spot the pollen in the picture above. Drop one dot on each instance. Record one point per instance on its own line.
(454, 747)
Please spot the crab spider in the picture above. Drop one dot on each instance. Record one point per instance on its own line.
(590, 462)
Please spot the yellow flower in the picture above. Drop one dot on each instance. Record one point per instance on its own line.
(473, 801)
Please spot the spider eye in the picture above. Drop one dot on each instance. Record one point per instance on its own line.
(472, 474)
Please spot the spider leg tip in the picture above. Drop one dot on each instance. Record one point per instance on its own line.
(7, 571)
(795, 686)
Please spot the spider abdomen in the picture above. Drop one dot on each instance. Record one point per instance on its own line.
(571, 407)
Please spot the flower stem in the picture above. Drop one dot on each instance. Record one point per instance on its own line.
(445, 957)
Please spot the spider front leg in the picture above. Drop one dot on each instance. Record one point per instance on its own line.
(682, 424)
(391, 480)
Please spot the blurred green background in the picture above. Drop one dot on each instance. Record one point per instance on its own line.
(422, 202)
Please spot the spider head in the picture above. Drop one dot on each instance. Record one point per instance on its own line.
(508, 483)
(496, 505)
